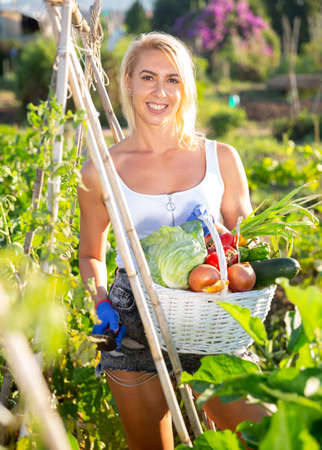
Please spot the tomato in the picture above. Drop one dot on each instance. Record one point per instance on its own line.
(213, 260)
(241, 277)
(231, 254)
(227, 239)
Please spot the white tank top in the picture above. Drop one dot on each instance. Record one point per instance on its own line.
(150, 211)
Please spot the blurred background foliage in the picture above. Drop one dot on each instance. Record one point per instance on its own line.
(238, 49)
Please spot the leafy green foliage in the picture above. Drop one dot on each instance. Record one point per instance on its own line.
(220, 440)
(136, 19)
(225, 119)
(57, 305)
(34, 69)
(165, 13)
(294, 385)
(298, 128)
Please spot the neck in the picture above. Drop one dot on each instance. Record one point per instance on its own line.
(157, 139)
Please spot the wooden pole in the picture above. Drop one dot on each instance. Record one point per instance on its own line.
(81, 97)
(61, 96)
(135, 243)
(83, 101)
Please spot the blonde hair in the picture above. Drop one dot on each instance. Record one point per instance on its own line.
(180, 56)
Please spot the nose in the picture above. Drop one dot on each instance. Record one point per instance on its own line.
(160, 90)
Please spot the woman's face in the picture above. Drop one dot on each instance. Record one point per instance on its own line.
(156, 89)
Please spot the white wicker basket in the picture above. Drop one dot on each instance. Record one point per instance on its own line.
(198, 324)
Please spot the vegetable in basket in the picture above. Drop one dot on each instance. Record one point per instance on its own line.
(268, 270)
(172, 252)
(241, 277)
(206, 278)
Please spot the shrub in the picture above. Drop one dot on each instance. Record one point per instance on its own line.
(34, 68)
(6, 47)
(224, 120)
(229, 32)
(298, 128)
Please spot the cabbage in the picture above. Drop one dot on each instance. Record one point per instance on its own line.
(172, 252)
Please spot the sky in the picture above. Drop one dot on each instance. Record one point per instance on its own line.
(34, 7)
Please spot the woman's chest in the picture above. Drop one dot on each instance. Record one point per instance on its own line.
(163, 174)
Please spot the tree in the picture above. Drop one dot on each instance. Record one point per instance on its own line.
(33, 70)
(229, 32)
(166, 12)
(136, 19)
(292, 8)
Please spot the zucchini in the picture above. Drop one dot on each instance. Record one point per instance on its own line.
(269, 269)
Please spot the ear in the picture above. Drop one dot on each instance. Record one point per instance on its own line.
(128, 83)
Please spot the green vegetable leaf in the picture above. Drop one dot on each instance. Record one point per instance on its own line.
(224, 373)
(309, 302)
(253, 433)
(219, 440)
(252, 325)
(287, 425)
(172, 253)
(73, 441)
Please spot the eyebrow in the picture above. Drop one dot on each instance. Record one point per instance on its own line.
(153, 73)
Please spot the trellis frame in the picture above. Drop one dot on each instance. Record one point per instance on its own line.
(115, 203)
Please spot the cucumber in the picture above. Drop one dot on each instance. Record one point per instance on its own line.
(269, 269)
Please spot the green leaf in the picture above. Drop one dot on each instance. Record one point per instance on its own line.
(219, 440)
(73, 441)
(305, 358)
(252, 325)
(226, 375)
(309, 302)
(24, 444)
(287, 425)
(217, 369)
(253, 433)
(309, 442)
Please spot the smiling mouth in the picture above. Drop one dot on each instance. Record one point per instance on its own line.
(156, 107)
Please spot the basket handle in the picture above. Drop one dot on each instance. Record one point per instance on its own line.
(202, 215)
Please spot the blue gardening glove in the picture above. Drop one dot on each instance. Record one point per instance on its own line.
(200, 210)
(109, 321)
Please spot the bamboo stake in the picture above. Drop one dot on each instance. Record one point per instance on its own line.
(31, 383)
(61, 96)
(136, 246)
(85, 102)
(28, 376)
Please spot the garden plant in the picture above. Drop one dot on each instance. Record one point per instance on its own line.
(55, 313)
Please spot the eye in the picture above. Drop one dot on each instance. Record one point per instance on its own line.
(147, 77)
(174, 80)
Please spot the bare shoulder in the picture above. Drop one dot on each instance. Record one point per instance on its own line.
(228, 159)
(226, 153)
(90, 177)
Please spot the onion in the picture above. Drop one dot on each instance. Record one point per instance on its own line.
(241, 277)
(202, 277)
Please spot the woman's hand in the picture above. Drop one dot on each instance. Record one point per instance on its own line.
(109, 321)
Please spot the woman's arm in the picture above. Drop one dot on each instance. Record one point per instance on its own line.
(94, 223)
(236, 200)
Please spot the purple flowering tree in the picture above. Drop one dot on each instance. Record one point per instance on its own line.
(224, 24)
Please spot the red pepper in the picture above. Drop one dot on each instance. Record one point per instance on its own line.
(227, 239)
(230, 253)
(212, 259)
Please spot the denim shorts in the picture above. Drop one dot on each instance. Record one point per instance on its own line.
(134, 354)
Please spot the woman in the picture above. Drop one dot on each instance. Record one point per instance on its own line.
(165, 169)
